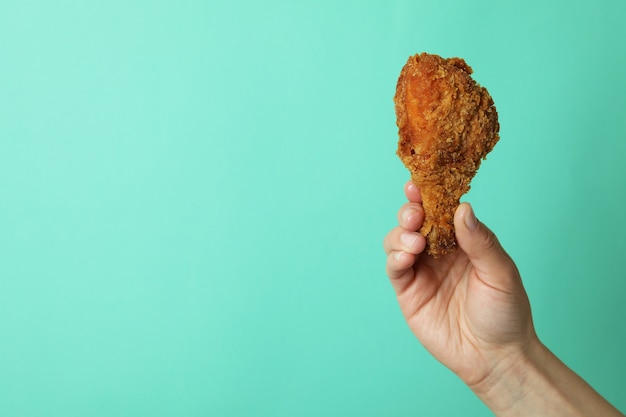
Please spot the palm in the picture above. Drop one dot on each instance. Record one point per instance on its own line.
(457, 316)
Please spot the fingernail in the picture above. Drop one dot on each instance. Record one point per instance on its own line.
(407, 214)
(470, 219)
(408, 239)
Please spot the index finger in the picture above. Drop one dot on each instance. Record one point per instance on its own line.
(412, 192)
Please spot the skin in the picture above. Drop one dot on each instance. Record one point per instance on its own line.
(471, 312)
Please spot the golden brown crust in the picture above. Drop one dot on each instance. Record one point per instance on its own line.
(447, 125)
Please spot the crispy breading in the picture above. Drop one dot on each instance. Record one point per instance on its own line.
(447, 125)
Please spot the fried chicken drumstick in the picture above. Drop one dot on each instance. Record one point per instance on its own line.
(447, 124)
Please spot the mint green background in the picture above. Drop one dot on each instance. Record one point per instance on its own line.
(193, 196)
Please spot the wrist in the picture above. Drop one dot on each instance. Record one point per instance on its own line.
(520, 383)
(531, 381)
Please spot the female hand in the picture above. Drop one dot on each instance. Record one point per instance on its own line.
(468, 308)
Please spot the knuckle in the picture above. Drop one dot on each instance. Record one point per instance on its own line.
(490, 241)
(487, 242)
(391, 240)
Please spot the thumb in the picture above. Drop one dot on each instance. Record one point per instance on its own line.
(482, 248)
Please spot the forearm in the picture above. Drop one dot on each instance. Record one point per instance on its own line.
(539, 384)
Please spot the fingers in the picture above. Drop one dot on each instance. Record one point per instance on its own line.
(403, 243)
(411, 216)
(412, 192)
(399, 265)
(400, 239)
(404, 237)
(492, 263)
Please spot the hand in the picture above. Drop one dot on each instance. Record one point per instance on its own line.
(468, 308)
